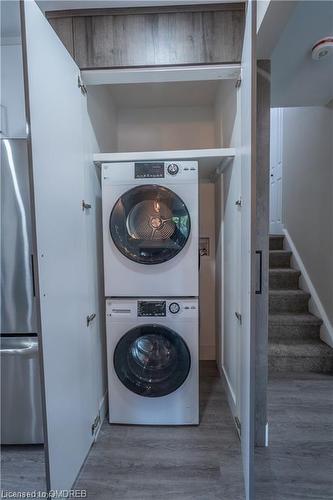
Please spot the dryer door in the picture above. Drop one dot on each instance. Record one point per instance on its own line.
(150, 224)
(152, 360)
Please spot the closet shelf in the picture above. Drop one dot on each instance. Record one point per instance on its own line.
(161, 74)
(209, 159)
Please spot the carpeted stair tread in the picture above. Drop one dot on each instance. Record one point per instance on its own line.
(283, 278)
(288, 301)
(291, 293)
(294, 334)
(292, 319)
(276, 242)
(292, 326)
(279, 258)
(309, 349)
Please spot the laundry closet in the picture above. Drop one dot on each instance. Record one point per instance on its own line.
(185, 114)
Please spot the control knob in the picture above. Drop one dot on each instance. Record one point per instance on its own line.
(173, 169)
(174, 307)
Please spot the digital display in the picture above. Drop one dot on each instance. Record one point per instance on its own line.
(149, 308)
(149, 170)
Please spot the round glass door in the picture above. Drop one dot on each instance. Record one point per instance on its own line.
(150, 224)
(152, 360)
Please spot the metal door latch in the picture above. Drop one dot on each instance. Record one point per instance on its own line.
(238, 316)
(81, 85)
(238, 426)
(85, 206)
(95, 424)
(90, 318)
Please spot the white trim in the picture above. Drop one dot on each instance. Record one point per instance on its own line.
(230, 392)
(161, 74)
(315, 305)
(102, 413)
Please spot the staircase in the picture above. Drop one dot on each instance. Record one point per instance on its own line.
(294, 342)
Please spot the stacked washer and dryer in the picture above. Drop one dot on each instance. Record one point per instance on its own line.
(150, 239)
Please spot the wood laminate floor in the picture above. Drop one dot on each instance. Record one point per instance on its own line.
(22, 468)
(169, 463)
(298, 465)
(204, 463)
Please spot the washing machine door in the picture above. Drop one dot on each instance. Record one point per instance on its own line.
(152, 360)
(150, 224)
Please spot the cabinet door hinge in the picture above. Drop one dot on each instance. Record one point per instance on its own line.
(90, 318)
(81, 85)
(238, 203)
(238, 83)
(85, 206)
(238, 316)
(95, 424)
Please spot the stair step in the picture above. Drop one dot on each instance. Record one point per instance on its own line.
(276, 242)
(310, 356)
(283, 278)
(288, 301)
(279, 258)
(290, 327)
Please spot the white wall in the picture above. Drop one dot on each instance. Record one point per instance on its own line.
(207, 273)
(162, 128)
(308, 193)
(225, 113)
(103, 116)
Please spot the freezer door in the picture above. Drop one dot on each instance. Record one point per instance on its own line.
(18, 307)
(21, 407)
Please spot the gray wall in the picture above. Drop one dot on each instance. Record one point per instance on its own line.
(308, 193)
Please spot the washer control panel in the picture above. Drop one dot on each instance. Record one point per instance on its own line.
(139, 309)
(151, 308)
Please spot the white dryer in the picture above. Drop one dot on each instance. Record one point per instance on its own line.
(153, 361)
(150, 228)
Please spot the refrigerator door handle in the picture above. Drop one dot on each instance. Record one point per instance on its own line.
(33, 275)
(28, 348)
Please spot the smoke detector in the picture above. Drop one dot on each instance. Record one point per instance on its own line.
(323, 48)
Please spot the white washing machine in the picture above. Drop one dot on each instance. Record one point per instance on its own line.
(150, 228)
(153, 361)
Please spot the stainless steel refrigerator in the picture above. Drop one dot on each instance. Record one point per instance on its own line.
(21, 409)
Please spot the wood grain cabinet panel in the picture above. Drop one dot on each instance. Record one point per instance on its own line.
(63, 26)
(106, 39)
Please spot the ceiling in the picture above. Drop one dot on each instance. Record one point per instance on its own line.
(164, 94)
(298, 80)
(47, 5)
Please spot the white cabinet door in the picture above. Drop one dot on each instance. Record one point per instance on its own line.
(275, 215)
(248, 148)
(58, 161)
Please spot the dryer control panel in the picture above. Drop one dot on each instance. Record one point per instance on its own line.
(150, 172)
(144, 170)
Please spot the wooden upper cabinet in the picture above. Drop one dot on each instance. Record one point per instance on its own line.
(208, 34)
